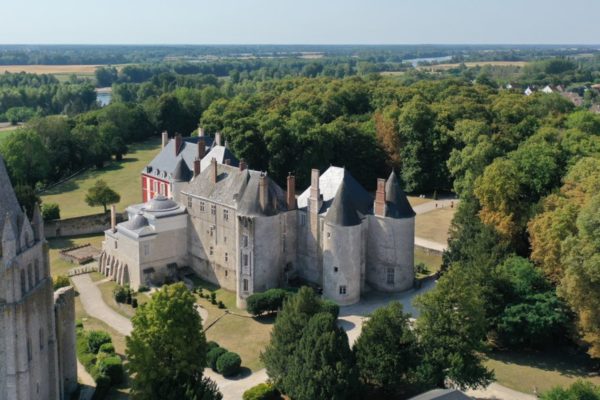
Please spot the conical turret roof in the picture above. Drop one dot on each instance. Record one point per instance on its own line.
(182, 172)
(397, 205)
(343, 210)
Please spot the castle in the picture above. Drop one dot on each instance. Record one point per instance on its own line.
(37, 325)
(235, 227)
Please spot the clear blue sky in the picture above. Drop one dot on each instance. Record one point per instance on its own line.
(300, 21)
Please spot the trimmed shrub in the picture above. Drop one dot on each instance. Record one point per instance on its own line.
(221, 305)
(213, 298)
(112, 367)
(211, 345)
(228, 364)
(95, 339)
(107, 348)
(102, 387)
(330, 307)
(134, 303)
(60, 281)
(50, 211)
(120, 294)
(262, 391)
(143, 288)
(213, 355)
(269, 301)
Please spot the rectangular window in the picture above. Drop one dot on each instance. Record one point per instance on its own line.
(224, 239)
(245, 285)
(225, 215)
(213, 210)
(245, 260)
(116, 244)
(244, 240)
(390, 276)
(302, 219)
(41, 339)
(162, 189)
(155, 186)
(146, 249)
(211, 250)
(201, 206)
(342, 289)
(189, 202)
(335, 269)
(226, 257)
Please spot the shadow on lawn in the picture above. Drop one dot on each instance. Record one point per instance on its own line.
(567, 361)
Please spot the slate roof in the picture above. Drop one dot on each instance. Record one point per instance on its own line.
(237, 189)
(165, 164)
(8, 200)
(329, 184)
(343, 210)
(442, 394)
(397, 205)
(182, 173)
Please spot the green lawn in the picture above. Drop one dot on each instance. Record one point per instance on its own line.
(542, 370)
(107, 289)
(58, 266)
(122, 176)
(434, 225)
(432, 261)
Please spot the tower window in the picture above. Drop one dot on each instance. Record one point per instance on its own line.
(342, 289)
(211, 250)
(226, 257)
(201, 206)
(225, 215)
(245, 285)
(213, 210)
(245, 240)
(390, 276)
(335, 269)
(189, 202)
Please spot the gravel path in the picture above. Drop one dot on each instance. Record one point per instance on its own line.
(95, 307)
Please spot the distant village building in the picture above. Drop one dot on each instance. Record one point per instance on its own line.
(37, 325)
(529, 91)
(235, 227)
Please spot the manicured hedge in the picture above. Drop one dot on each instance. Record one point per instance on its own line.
(112, 367)
(96, 352)
(266, 302)
(228, 364)
(262, 391)
(95, 339)
(213, 355)
(108, 348)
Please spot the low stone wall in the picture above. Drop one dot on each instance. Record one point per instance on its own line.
(85, 225)
(430, 250)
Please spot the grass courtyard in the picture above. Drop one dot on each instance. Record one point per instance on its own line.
(434, 225)
(58, 266)
(122, 176)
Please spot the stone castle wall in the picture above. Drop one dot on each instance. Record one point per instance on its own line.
(64, 313)
(85, 225)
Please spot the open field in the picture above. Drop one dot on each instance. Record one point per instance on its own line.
(416, 200)
(58, 266)
(542, 370)
(434, 225)
(122, 176)
(50, 69)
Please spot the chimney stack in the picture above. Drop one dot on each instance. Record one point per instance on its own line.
(196, 167)
(379, 206)
(213, 166)
(263, 191)
(218, 138)
(178, 141)
(113, 218)
(243, 165)
(200, 131)
(201, 147)
(165, 139)
(291, 192)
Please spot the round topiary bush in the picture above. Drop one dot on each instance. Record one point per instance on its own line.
(262, 391)
(102, 387)
(228, 364)
(95, 339)
(112, 367)
(107, 348)
(213, 355)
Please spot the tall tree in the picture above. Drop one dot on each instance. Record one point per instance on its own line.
(101, 195)
(322, 367)
(388, 354)
(167, 348)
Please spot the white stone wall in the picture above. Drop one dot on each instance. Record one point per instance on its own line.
(390, 248)
(343, 262)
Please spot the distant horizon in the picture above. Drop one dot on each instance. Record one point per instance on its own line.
(303, 44)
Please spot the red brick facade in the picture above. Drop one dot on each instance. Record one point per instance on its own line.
(151, 186)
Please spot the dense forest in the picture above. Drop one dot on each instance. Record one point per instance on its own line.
(524, 245)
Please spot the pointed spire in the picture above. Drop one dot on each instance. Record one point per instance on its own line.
(37, 223)
(396, 201)
(26, 233)
(9, 238)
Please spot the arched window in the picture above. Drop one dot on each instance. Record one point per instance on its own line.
(23, 283)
